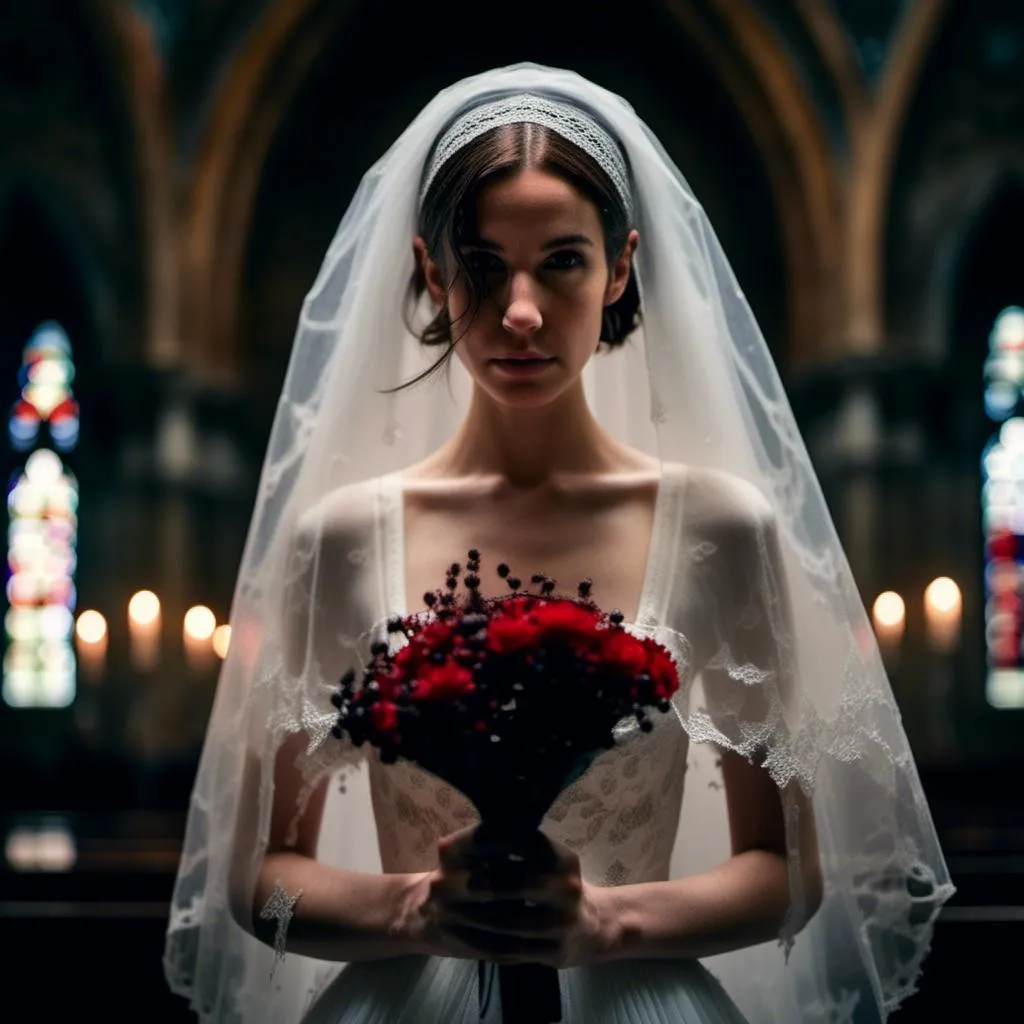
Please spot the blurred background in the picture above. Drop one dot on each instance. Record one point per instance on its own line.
(171, 172)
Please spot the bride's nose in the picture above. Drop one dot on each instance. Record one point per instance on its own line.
(522, 314)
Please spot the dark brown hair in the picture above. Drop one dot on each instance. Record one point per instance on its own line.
(447, 221)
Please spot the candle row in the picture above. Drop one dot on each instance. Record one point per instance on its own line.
(203, 639)
(943, 613)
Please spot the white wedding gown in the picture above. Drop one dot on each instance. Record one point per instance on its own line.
(620, 818)
(775, 649)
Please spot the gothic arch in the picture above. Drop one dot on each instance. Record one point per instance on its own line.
(778, 113)
(139, 72)
(837, 53)
(876, 150)
(960, 150)
(247, 109)
(79, 159)
(48, 270)
(982, 271)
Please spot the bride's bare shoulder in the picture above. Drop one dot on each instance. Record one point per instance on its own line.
(719, 500)
(348, 512)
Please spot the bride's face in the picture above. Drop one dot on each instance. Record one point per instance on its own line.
(541, 270)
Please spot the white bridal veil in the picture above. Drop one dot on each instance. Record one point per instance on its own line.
(695, 385)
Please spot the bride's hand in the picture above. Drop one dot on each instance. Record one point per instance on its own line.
(511, 913)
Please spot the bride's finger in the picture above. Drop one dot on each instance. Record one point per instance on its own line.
(455, 851)
(513, 917)
(511, 873)
(550, 890)
(496, 945)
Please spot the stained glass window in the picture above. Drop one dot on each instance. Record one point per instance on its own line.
(1002, 502)
(42, 506)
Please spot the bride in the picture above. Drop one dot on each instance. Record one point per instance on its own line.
(526, 339)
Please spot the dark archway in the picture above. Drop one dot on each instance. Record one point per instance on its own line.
(988, 272)
(961, 139)
(69, 143)
(987, 278)
(42, 281)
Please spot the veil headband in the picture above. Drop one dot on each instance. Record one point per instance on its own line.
(565, 119)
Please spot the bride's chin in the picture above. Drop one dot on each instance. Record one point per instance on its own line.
(526, 393)
(525, 398)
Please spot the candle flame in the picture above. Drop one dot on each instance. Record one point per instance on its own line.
(889, 609)
(200, 623)
(144, 608)
(91, 627)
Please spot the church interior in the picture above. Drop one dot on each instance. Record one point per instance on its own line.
(171, 172)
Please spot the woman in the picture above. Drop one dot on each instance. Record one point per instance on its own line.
(541, 222)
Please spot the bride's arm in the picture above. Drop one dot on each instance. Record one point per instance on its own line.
(343, 915)
(336, 914)
(746, 899)
(340, 915)
(741, 902)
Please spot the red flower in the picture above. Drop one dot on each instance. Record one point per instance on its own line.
(566, 620)
(506, 635)
(436, 636)
(623, 652)
(446, 681)
(384, 716)
(661, 668)
(516, 607)
(410, 657)
(390, 681)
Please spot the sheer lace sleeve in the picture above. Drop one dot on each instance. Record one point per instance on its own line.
(745, 638)
(768, 686)
(330, 601)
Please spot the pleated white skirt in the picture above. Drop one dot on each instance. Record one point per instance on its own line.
(441, 990)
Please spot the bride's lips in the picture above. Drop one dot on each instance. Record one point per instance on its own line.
(524, 365)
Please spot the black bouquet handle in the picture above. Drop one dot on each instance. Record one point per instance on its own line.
(530, 993)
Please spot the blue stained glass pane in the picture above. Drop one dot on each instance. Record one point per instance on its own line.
(39, 663)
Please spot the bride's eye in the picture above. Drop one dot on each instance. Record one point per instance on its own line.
(483, 264)
(566, 259)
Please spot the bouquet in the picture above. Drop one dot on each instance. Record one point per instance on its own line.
(508, 699)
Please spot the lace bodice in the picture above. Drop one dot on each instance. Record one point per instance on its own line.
(620, 818)
(623, 817)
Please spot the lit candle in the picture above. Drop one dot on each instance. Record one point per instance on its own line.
(889, 614)
(222, 641)
(144, 630)
(91, 642)
(943, 611)
(197, 636)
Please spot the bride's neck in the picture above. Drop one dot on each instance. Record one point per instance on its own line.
(529, 446)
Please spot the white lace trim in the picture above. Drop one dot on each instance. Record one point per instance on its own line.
(568, 121)
(281, 908)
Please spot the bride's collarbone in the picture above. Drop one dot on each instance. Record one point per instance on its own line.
(604, 540)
